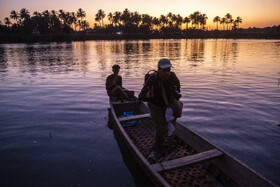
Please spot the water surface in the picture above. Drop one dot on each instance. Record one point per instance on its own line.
(53, 106)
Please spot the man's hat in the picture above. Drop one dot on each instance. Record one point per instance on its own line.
(164, 63)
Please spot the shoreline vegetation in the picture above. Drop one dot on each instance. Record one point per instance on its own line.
(268, 33)
(60, 26)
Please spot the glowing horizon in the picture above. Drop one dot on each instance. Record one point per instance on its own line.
(254, 13)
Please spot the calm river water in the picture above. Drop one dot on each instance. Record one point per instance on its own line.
(53, 105)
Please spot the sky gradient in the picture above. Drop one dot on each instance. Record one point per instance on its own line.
(255, 13)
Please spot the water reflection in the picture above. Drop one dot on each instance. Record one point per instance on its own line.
(225, 52)
(197, 53)
(135, 54)
(3, 60)
(47, 57)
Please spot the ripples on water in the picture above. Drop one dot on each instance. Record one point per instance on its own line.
(53, 106)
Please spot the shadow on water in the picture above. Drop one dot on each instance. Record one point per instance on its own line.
(138, 174)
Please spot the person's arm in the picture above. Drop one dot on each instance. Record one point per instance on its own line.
(111, 84)
(176, 82)
(147, 91)
(119, 82)
(142, 95)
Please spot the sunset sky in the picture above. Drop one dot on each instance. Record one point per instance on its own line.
(255, 13)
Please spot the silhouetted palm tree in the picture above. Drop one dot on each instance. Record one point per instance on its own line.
(37, 14)
(202, 19)
(238, 20)
(110, 18)
(191, 16)
(39, 23)
(100, 15)
(217, 19)
(46, 14)
(223, 21)
(62, 15)
(231, 21)
(84, 24)
(228, 19)
(67, 19)
(117, 18)
(46, 21)
(125, 17)
(80, 14)
(14, 15)
(187, 21)
(7, 21)
(98, 19)
(173, 20)
(163, 20)
(147, 22)
(73, 20)
(79, 23)
(169, 17)
(179, 21)
(55, 24)
(155, 22)
(195, 18)
(146, 19)
(24, 14)
(136, 18)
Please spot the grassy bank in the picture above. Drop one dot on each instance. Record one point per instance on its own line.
(254, 33)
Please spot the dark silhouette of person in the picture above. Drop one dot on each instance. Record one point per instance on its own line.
(114, 85)
(162, 81)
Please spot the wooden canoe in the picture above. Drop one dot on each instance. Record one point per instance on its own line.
(194, 161)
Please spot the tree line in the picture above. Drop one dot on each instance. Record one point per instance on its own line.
(128, 22)
(45, 22)
(228, 21)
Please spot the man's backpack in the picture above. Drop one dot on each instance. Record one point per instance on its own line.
(148, 75)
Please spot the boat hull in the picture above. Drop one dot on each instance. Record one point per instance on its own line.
(194, 160)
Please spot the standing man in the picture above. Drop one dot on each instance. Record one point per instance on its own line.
(160, 88)
(114, 85)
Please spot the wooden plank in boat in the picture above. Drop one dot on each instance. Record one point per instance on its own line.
(187, 160)
(124, 102)
(134, 117)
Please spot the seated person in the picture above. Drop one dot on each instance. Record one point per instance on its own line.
(114, 86)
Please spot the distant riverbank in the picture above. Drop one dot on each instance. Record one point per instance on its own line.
(251, 33)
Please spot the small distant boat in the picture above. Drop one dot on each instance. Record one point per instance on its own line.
(193, 161)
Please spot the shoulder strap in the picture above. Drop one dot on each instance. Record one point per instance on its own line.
(154, 71)
(148, 76)
(164, 94)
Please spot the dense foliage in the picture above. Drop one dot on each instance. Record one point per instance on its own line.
(126, 21)
(60, 26)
